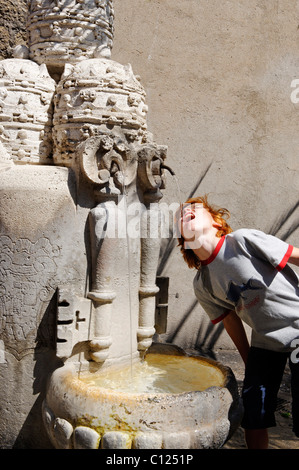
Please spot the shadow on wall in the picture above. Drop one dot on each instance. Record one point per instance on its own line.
(282, 220)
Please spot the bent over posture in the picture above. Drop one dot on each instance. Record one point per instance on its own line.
(245, 276)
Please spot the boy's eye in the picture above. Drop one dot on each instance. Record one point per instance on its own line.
(186, 206)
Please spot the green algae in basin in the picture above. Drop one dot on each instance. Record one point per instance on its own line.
(159, 373)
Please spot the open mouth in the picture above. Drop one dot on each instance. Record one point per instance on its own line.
(188, 217)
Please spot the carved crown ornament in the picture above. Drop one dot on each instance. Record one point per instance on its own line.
(68, 31)
(93, 97)
(26, 109)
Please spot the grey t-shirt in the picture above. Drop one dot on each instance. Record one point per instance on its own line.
(248, 273)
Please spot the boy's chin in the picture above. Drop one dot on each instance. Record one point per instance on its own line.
(192, 244)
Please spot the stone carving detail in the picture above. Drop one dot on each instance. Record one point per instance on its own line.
(112, 164)
(150, 249)
(74, 413)
(72, 321)
(151, 166)
(28, 271)
(109, 162)
(103, 270)
(99, 128)
(68, 31)
(94, 97)
(26, 92)
(64, 436)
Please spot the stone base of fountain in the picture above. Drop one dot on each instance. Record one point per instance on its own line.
(82, 417)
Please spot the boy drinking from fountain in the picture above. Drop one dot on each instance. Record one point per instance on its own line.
(244, 276)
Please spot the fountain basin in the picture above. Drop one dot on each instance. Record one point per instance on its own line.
(79, 415)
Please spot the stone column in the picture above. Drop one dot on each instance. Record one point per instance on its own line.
(103, 270)
(150, 250)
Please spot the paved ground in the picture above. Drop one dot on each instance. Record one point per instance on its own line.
(281, 436)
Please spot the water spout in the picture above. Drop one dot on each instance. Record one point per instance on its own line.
(166, 167)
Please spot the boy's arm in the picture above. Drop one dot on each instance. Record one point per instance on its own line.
(234, 327)
(294, 258)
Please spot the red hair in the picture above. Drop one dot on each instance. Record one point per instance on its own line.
(219, 215)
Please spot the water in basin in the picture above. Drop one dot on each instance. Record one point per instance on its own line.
(159, 373)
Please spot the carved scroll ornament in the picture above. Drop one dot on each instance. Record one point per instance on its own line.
(109, 163)
(151, 176)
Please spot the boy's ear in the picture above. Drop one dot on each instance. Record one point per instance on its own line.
(217, 225)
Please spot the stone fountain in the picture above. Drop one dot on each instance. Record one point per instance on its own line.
(79, 168)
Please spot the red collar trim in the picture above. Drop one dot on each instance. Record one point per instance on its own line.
(215, 252)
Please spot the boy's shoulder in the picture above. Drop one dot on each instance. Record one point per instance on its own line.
(245, 233)
(245, 237)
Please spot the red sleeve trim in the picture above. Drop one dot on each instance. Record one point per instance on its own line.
(220, 318)
(285, 259)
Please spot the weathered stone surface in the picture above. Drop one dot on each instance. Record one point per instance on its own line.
(116, 440)
(63, 431)
(195, 419)
(48, 420)
(86, 438)
(13, 17)
(176, 440)
(92, 98)
(26, 108)
(147, 440)
(70, 31)
(38, 253)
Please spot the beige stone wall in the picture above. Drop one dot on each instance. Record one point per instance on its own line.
(218, 80)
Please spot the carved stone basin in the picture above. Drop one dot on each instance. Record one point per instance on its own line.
(80, 415)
